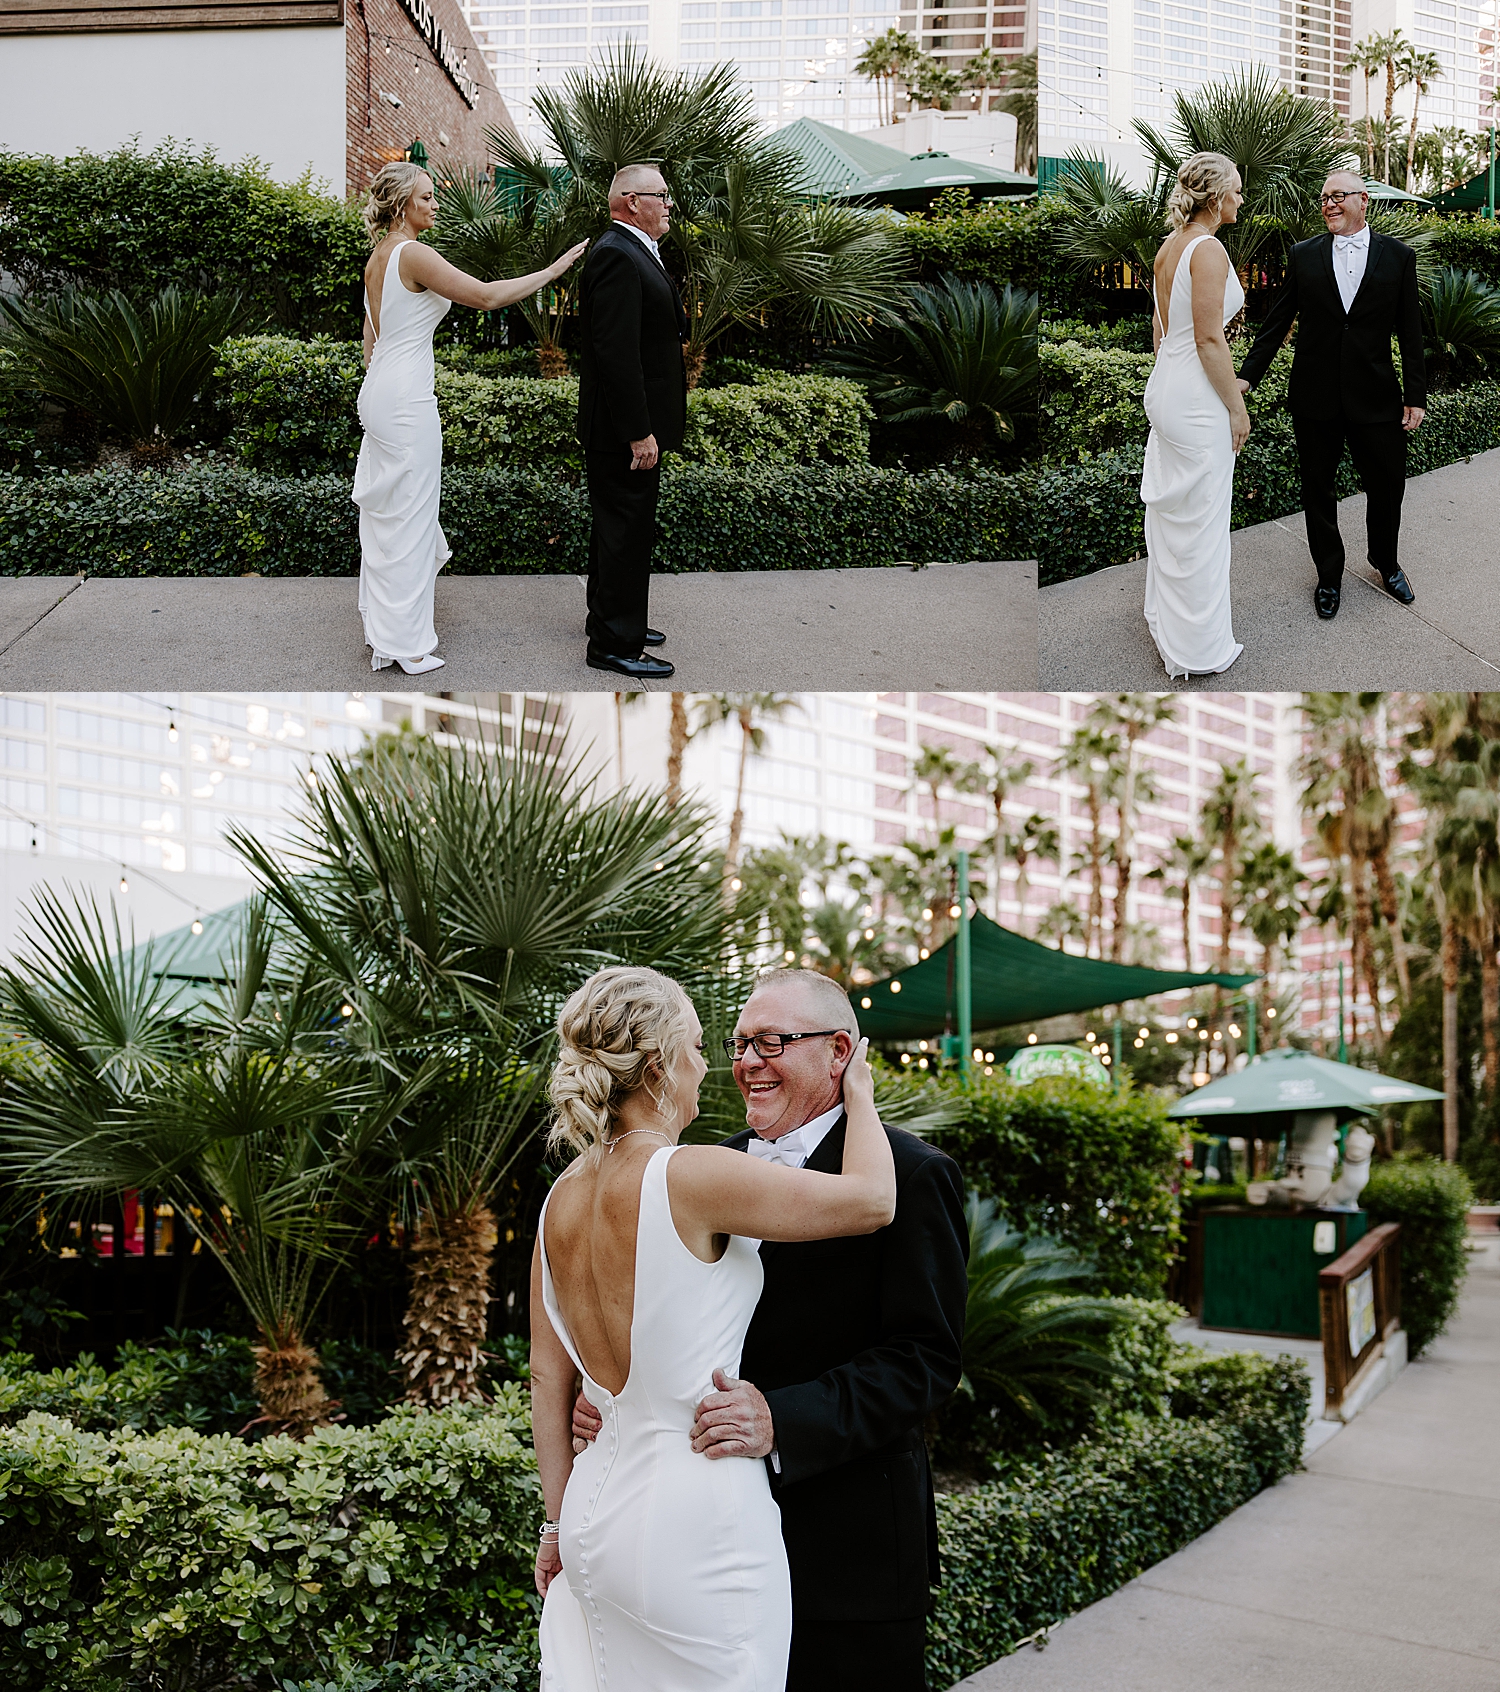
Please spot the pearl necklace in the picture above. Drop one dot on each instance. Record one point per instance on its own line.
(616, 1138)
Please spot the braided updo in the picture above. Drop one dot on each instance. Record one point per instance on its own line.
(624, 1029)
(1201, 180)
(389, 195)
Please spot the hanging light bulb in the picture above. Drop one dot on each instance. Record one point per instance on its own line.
(124, 885)
(197, 925)
(172, 732)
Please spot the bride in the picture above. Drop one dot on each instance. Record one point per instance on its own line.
(398, 479)
(644, 1279)
(1198, 423)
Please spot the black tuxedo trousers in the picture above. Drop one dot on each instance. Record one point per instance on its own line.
(1379, 454)
(622, 506)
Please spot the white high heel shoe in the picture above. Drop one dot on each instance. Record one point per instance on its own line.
(412, 666)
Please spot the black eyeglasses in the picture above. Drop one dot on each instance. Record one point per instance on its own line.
(772, 1045)
(652, 194)
(1339, 195)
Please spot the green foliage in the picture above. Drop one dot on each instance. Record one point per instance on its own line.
(1461, 317)
(443, 1665)
(960, 352)
(509, 420)
(997, 242)
(137, 372)
(1430, 1199)
(1132, 333)
(175, 1559)
(780, 419)
(1466, 243)
(1062, 1529)
(1089, 399)
(289, 405)
(142, 222)
(1090, 1166)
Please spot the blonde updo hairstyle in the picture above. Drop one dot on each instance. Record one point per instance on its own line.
(388, 197)
(624, 1029)
(1201, 180)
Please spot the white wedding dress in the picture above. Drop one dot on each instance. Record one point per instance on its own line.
(674, 1571)
(1186, 488)
(398, 480)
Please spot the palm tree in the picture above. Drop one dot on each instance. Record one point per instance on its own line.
(986, 70)
(1393, 47)
(750, 711)
(994, 781)
(1092, 759)
(1063, 922)
(1187, 859)
(1368, 58)
(1019, 99)
(1109, 222)
(1230, 818)
(935, 768)
(1036, 839)
(743, 236)
(1266, 888)
(451, 898)
(961, 353)
(884, 58)
(932, 82)
(1420, 69)
(243, 1120)
(1130, 717)
(678, 735)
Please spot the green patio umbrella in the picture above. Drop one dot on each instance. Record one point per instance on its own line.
(1378, 190)
(1014, 980)
(839, 166)
(1287, 1080)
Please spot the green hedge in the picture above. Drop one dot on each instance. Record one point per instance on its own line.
(1430, 1199)
(1059, 1532)
(178, 1559)
(140, 221)
(1091, 1165)
(290, 406)
(998, 242)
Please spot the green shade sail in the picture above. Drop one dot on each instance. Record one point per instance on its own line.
(197, 965)
(1473, 195)
(1280, 1082)
(1014, 980)
(840, 166)
(1378, 190)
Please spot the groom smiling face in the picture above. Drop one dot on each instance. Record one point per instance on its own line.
(806, 1078)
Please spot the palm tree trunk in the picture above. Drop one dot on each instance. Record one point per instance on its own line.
(1122, 897)
(1360, 950)
(1229, 847)
(677, 739)
(1489, 1011)
(1411, 138)
(737, 821)
(1187, 926)
(446, 1314)
(551, 361)
(1390, 108)
(288, 1384)
(1450, 1037)
(1390, 909)
(1023, 886)
(1096, 873)
(1369, 127)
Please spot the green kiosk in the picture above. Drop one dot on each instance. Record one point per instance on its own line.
(1258, 1264)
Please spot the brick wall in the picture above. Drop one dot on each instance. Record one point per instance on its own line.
(431, 109)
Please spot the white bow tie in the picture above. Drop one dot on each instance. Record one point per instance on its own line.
(788, 1149)
(1341, 242)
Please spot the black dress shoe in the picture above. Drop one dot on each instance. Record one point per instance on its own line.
(1399, 588)
(1326, 602)
(654, 637)
(638, 669)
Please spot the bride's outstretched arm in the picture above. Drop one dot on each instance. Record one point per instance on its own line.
(422, 264)
(553, 1379)
(718, 1191)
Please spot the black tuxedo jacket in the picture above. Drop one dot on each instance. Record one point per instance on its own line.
(632, 381)
(854, 1343)
(1342, 364)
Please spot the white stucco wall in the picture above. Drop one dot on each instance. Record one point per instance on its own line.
(277, 94)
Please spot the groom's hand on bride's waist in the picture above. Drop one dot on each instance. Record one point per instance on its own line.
(735, 1421)
(586, 1424)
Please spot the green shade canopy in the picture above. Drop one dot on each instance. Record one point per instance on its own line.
(1472, 195)
(197, 965)
(840, 166)
(1015, 980)
(1384, 191)
(1280, 1082)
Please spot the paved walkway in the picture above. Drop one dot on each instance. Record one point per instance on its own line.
(933, 627)
(1376, 1570)
(1093, 635)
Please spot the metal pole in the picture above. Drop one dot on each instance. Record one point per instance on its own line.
(1489, 211)
(1119, 1038)
(1343, 1049)
(965, 981)
(1253, 1007)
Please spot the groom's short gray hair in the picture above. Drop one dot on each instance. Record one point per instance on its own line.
(632, 179)
(831, 999)
(1354, 177)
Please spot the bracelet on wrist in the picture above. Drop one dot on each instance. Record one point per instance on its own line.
(550, 1530)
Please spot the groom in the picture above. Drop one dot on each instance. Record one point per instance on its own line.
(854, 1343)
(1352, 290)
(632, 407)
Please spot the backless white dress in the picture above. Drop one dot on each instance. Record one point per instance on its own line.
(398, 479)
(1186, 487)
(674, 1571)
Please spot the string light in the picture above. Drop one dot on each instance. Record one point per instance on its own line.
(197, 925)
(172, 730)
(124, 885)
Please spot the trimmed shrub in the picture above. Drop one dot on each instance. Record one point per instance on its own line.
(779, 419)
(175, 1559)
(1091, 1166)
(145, 221)
(998, 242)
(1430, 1199)
(1466, 243)
(512, 421)
(289, 405)
(1059, 1531)
(1089, 399)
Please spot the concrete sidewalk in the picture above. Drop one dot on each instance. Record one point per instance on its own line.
(1094, 633)
(1376, 1570)
(951, 626)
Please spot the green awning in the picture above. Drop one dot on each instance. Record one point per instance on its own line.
(1378, 190)
(1014, 980)
(840, 166)
(1286, 1081)
(1473, 195)
(197, 965)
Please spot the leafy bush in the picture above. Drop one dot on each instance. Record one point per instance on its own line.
(1089, 399)
(177, 1560)
(998, 242)
(1091, 1166)
(778, 419)
(1430, 1199)
(1465, 243)
(1060, 1530)
(289, 405)
(1132, 334)
(508, 421)
(146, 221)
(1461, 317)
